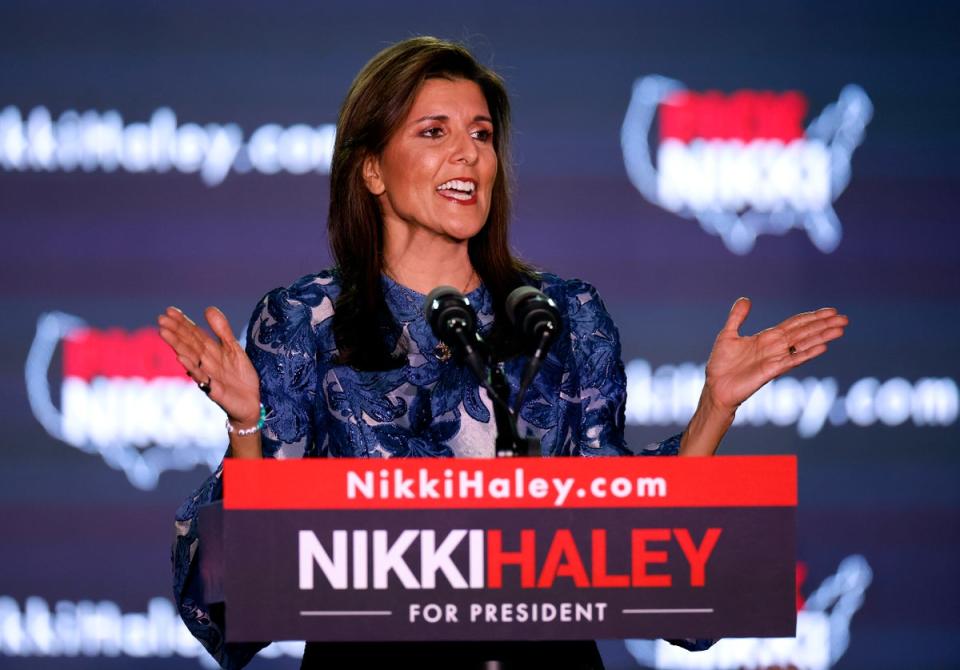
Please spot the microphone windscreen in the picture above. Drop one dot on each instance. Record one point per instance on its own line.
(446, 310)
(436, 297)
(517, 296)
(533, 313)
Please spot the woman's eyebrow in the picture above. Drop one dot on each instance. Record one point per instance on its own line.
(444, 117)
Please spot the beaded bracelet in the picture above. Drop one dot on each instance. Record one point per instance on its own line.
(243, 432)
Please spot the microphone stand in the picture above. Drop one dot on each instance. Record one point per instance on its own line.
(509, 443)
(505, 445)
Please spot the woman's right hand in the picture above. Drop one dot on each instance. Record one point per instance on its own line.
(224, 365)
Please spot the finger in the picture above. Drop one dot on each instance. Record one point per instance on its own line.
(787, 361)
(173, 321)
(168, 334)
(192, 368)
(738, 314)
(179, 345)
(806, 317)
(189, 342)
(220, 326)
(178, 316)
(177, 328)
(802, 356)
(199, 367)
(207, 351)
(827, 316)
(185, 328)
(821, 337)
(811, 328)
(204, 378)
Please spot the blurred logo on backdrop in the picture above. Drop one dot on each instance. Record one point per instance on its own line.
(122, 395)
(92, 140)
(66, 629)
(743, 164)
(823, 632)
(668, 395)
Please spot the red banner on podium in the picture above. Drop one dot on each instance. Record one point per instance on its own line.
(444, 549)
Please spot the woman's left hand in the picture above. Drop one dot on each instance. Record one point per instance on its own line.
(740, 364)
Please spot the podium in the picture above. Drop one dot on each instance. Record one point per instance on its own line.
(503, 549)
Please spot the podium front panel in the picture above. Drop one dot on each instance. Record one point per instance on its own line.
(522, 549)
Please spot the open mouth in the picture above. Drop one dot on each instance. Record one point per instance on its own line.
(461, 190)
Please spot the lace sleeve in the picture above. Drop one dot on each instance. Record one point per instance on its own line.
(595, 344)
(281, 345)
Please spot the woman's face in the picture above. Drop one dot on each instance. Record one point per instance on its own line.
(437, 170)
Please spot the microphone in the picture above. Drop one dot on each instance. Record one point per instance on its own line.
(453, 321)
(536, 316)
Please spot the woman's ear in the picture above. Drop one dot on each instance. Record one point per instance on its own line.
(372, 176)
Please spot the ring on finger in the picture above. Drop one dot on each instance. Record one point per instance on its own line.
(205, 386)
(792, 350)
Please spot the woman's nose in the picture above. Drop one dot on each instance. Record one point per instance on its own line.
(464, 150)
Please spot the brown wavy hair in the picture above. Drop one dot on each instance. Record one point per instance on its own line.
(377, 103)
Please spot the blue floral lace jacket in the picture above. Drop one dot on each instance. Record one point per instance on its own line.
(432, 407)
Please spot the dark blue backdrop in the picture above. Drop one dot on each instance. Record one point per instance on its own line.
(86, 537)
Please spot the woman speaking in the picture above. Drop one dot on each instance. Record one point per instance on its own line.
(344, 363)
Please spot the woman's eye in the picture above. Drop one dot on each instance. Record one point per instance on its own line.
(436, 131)
(483, 135)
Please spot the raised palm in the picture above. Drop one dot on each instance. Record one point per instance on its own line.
(740, 365)
(224, 365)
